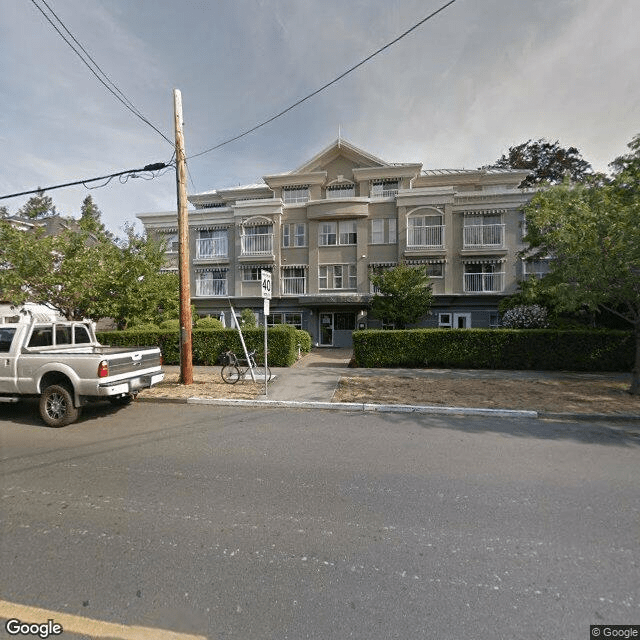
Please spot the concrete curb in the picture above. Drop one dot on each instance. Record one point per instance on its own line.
(397, 408)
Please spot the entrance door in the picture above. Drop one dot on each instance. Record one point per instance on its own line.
(326, 329)
(461, 320)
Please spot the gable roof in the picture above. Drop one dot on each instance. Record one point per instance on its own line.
(337, 148)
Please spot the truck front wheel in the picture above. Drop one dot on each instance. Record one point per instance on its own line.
(56, 406)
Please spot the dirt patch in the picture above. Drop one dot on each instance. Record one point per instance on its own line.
(205, 385)
(574, 396)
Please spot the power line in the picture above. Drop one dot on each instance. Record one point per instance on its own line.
(325, 86)
(113, 89)
(156, 166)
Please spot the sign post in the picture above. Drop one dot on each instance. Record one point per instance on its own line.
(265, 277)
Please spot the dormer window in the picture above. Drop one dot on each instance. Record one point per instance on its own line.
(342, 190)
(384, 188)
(295, 195)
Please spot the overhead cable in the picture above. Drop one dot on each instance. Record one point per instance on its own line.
(130, 173)
(95, 69)
(325, 86)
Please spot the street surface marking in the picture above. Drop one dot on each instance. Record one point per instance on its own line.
(92, 628)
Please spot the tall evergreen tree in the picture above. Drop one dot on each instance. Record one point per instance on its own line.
(38, 206)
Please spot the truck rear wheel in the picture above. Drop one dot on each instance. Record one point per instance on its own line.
(56, 406)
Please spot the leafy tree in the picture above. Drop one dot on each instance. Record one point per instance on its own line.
(547, 161)
(404, 295)
(247, 319)
(86, 274)
(137, 289)
(62, 270)
(592, 232)
(38, 206)
(4, 212)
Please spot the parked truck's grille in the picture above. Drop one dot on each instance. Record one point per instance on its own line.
(128, 364)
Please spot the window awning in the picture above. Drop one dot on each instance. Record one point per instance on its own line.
(483, 260)
(212, 270)
(485, 212)
(210, 227)
(248, 267)
(426, 261)
(383, 264)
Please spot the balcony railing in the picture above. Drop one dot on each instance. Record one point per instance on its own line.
(483, 235)
(384, 193)
(425, 237)
(209, 287)
(260, 244)
(294, 286)
(483, 282)
(211, 248)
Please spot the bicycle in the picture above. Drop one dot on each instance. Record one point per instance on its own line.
(234, 369)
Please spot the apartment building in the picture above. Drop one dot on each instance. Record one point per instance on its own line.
(322, 228)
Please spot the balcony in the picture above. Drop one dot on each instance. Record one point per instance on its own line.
(425, 237)
(208, 287)
(294, 286)
(209, 248)
(384, 193)
(257, 244)
(483, 282)
(483, 236)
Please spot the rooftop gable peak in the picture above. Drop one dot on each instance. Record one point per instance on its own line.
(340, 147)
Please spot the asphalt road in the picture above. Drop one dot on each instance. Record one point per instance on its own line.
(245, 523)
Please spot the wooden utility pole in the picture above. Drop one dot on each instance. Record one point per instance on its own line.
(186, 357)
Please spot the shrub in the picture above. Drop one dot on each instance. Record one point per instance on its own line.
(247, 319)
(209, 344)
(541, 349)
(208, 323)
(171, 325)
(526, 316)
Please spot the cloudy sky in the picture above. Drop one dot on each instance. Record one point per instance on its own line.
(457, 92)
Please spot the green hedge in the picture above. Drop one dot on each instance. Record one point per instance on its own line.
(540, 349)
(209, 344)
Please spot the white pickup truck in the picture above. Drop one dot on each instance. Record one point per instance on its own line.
(63, 363)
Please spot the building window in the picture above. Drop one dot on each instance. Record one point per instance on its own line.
(535, 268)
(483, 231)
(341, 191)
(294, 234)
(251, 274)
(384, 188)
(172, 243)
(211, 283)
(344, 321)
(425, 231)
(483, 278)
(342, 233)
(435, 270)
(383, 231)
(347, 232)
(294, 281)
(257, 240)
(445, 321)
(212, 243)
(295, 195)
(293, 318)
(337, 276)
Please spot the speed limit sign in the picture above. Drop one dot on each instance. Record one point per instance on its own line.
(266, 283)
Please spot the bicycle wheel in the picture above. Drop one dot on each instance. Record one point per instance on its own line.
(259, 371)
(230, 373)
